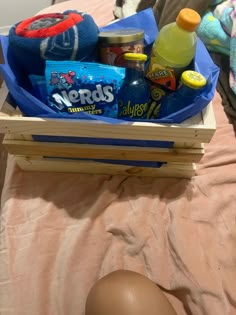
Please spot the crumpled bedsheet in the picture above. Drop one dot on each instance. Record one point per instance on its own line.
(61, 232)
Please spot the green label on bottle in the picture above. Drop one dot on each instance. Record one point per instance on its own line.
(132, 110)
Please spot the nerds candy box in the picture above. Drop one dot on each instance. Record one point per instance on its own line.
(74, 86)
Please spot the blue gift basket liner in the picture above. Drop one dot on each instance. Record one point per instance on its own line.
(32, 107)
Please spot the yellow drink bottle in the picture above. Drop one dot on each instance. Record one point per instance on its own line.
(174, 49)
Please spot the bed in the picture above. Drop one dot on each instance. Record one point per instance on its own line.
(61, 232)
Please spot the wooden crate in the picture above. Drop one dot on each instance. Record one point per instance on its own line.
(179, 160)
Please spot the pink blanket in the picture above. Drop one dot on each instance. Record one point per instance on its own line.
(59, 233)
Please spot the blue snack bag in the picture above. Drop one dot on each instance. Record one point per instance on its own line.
(90, 87)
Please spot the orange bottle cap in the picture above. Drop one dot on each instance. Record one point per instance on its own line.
(188, 19)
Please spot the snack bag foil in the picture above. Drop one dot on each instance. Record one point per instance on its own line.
(74, 86)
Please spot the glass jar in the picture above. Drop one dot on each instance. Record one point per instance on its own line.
(114, 44)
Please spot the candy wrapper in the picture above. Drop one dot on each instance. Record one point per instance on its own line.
(75, 87)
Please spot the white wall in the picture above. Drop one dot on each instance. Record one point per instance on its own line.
(12, 11)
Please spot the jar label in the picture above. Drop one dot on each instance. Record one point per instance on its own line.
(114, 55)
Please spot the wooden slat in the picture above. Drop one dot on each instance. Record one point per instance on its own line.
(173, 170)
(208, 116)
(97, 129)
(1, 61)
(17, 137)
(3, 95)
(195, 120)
(188, 145)
(177, 144)
(71, 150)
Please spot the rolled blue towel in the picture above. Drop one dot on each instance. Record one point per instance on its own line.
(70, 35)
